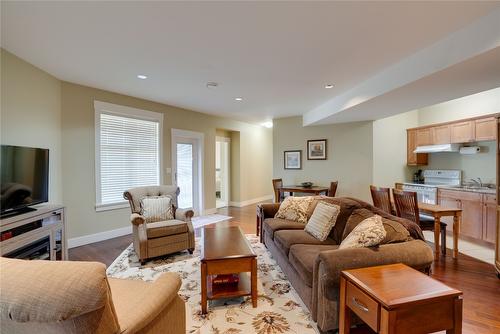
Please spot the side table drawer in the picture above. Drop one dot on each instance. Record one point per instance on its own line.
(363, 305)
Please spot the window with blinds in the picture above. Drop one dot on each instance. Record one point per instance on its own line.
(128, 155)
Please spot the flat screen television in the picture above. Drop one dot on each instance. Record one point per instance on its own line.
(24, 178)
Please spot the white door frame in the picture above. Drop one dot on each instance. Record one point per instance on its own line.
(227, 184)
(199, 138)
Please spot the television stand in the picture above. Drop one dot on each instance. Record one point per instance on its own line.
(17, 212)
(39, 233)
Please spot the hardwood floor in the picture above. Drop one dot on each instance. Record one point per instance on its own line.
(477, 279)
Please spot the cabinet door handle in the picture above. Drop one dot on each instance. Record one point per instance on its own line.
(359, 304)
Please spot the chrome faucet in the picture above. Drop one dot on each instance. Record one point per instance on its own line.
(478, 182)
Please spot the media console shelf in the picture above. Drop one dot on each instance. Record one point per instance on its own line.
(38, 234)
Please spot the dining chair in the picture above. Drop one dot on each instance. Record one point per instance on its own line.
(407, 207)
(382, 198)
(333, 188)
(278, 195)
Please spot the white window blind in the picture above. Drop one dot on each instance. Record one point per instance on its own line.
(128, 155)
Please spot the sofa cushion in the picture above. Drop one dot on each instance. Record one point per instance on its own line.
(303, 257)
(370, 232)
(295, 208)
(322, 220)
(271, 225)
(284, 239)
(166, 228)
(395, 231)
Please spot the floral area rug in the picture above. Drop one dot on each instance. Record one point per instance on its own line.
(279, 309)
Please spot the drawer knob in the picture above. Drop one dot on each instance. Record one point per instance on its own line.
(359, 304)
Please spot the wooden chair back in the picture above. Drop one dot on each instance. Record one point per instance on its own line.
(381, 198)
(333, 188)
(406, 205)
(277, 184)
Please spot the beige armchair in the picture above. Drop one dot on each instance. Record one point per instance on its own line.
(76, 297)
(162, 237)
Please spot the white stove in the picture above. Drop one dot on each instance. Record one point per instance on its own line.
(427, 191)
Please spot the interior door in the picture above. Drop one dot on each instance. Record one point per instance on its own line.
(185, 172)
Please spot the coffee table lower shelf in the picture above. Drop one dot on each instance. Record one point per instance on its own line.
(240, 289)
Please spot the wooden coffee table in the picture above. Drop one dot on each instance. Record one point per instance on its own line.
(398, 299)
(226, 250)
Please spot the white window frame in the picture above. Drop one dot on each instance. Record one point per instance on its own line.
(118, 110)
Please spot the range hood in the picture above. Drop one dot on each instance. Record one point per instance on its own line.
(437, 148)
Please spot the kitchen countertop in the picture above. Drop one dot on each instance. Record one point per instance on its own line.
(490, 191)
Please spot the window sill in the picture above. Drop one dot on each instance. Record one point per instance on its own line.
(111, 206)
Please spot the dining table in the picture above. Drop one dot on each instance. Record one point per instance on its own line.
(438, 211)
(315, 190)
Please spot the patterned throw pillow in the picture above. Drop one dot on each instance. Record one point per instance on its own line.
(370, 232)
(157, 208)
(295, 208)
(322, 220)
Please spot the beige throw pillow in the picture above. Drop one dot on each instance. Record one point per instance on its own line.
(322, 220)
(157, 208)
(370, 232)
(295, 208)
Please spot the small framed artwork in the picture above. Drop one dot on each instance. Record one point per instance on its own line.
(293, 159)
(316, 149)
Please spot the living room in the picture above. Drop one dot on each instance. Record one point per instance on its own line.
(109, 97)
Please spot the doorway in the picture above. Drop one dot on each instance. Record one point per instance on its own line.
(187, 168)
(222, 171)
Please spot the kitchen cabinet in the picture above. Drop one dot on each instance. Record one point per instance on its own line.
(424, 136)
(441, 134)
(489, 218)
(414, 159)
(462, 132)
(485, 129)
(478, 213)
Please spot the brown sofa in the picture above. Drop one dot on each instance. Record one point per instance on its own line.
(313, 267)
(76, 297)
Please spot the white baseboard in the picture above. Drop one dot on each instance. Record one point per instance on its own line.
(91, 238)
(251, 201)
(209, 211)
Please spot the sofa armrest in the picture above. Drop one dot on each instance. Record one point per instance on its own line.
(184, 214)
(267, 210)
(137, 219)
(329, 265)
(138, 303)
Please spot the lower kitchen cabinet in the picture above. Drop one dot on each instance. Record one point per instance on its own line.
(478, 213)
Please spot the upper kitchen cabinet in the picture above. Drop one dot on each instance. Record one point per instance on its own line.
(486, 129)
(441, 134)
(424, 136)
(462, 132)
(414, 159)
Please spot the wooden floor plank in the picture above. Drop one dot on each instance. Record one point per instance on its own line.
(475, 278)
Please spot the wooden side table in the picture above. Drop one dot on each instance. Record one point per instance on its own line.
(398, 299)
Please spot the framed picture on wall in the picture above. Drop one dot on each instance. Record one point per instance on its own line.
(293, 159)
(316, 149)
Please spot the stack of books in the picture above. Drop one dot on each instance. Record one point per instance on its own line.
(226, 279)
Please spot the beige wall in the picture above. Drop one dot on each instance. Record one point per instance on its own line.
(255, 144)
(31, 113)
(389, 140)
(349, 152)
(389, 149)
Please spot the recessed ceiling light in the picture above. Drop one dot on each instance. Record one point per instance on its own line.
(328, 86)
(142, 76)
(238, 98)
(268, 124)
(212, 85)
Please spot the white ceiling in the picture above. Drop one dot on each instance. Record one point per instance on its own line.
(278, 56)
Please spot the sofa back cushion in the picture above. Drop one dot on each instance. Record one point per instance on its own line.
(395, 232)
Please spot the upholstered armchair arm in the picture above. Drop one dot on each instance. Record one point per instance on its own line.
(329, 264)
(184, 214)
(155, 298)
(137, 219)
